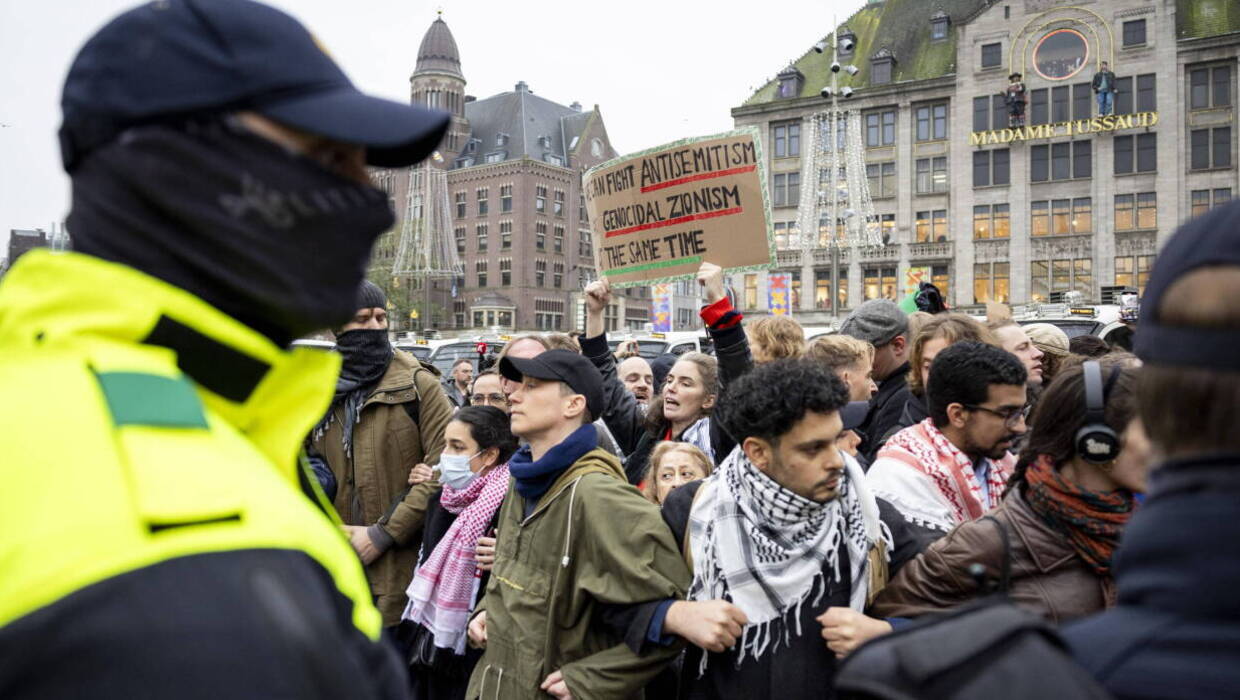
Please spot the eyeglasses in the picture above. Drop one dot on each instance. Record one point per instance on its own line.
(1010, 416)
(488, 399)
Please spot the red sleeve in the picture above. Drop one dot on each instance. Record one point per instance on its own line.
(720, 315)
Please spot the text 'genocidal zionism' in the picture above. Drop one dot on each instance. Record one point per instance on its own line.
(668, 169)
(662, 211)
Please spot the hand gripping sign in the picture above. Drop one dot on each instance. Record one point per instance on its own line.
(658, 214)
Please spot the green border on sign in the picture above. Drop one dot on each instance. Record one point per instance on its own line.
(753, 131)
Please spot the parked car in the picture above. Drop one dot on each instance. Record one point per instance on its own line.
(448, 352)
(1103, 321)
(420, 348)
(651, 345)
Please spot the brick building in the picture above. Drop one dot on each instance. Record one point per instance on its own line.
(995, 214)
(518, 218)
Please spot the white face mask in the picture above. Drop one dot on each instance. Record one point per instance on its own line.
(454, 470)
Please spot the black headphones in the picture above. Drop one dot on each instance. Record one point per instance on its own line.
(1096, 443)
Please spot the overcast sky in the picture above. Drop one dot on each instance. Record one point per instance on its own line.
(659, 71)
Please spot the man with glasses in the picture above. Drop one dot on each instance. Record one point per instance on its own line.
(953, 466)
(488, 390)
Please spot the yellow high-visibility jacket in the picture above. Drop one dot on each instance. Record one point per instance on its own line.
(158, 534)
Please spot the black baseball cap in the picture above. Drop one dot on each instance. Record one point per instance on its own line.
(178, 59)
(560, 366)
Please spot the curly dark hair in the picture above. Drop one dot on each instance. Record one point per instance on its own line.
(489, 427)
(963, 373)
(768, 401)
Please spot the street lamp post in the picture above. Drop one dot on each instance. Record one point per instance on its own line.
(833, 135)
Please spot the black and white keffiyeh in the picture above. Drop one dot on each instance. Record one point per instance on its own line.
(698, 435)
(766, 549)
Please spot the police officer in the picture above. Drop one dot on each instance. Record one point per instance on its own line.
(158, 536)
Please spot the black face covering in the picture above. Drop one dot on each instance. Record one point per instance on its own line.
(367, 354)
(273, 239)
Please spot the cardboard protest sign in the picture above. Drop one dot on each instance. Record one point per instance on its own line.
(657, 215)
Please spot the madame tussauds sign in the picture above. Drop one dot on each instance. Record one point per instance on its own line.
(1111, 122)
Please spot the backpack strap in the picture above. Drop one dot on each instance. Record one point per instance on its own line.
(414, 411)
(414, 408)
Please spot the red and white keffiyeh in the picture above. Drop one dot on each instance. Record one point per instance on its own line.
(927, 451)
(442, 593)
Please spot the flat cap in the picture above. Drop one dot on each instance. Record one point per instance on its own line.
(1048, 337)
(876, 321)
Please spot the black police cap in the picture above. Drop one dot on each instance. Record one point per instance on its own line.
(174, 59)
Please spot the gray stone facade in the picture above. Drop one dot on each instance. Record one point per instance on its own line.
(1101, 237)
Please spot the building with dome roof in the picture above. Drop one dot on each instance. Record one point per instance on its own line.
(519, 222)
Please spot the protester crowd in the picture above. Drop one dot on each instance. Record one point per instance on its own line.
(764, 522)
(781, 547)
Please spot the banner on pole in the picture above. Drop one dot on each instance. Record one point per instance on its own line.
(659, 214)
(777, 287)
(914, 277)
(662, 308)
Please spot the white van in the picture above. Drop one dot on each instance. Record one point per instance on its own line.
(651, 345)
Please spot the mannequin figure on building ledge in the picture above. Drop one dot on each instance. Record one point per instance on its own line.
(1015, 98)
(1104, 88)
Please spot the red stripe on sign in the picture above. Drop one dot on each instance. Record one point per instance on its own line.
(673, 222)
(702, 176)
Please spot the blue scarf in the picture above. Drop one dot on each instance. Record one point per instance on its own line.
(534, 477)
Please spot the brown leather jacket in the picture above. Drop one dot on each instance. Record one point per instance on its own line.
(373, 487)
(1047, 575)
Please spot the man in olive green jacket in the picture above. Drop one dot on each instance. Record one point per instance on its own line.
(581, 559)
(389, 415)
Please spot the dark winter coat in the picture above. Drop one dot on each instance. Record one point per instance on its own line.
(885, 410)
(1176, 630)
(915, 411)
(437, 673)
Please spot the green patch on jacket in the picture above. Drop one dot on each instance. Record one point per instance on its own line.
(136, 398)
